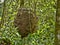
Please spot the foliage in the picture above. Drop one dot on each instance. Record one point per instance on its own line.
(45, 34)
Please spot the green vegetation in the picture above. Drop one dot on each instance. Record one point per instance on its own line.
(45, 34)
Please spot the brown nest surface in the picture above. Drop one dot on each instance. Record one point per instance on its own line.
(26, 21)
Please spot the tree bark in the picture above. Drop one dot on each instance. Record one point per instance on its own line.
(57, 31)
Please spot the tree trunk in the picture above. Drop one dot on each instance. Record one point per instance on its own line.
(57, 31)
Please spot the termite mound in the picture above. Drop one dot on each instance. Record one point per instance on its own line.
(26, 21)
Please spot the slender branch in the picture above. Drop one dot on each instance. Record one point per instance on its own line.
(21, 3)
(3, 15)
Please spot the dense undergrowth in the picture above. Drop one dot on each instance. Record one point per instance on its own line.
(45, 34)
